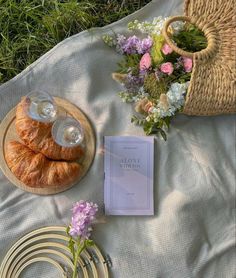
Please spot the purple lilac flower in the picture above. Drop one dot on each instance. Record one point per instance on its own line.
(121, 39)
(133, 45)
(134, 82)
(120, 42)
(158, 74)
(83, 215)
(144, 45)
(179, 63)
(127, 45)
(130, 47)
(143, 72)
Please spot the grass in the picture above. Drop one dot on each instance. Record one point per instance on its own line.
(29, 28)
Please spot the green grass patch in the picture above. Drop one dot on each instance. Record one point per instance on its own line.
(29, 28)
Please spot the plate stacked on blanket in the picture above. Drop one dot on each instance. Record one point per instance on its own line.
(31, 159)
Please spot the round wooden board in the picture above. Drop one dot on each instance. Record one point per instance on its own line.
(8, 133)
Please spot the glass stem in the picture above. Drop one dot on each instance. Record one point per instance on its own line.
(79, 250)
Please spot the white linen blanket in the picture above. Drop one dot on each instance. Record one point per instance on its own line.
(193, 231)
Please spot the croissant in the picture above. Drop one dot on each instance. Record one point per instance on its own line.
(37, 136)
(36, 170)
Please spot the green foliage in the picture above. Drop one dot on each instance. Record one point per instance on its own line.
(190, 39)
(137, 121)
(152, 127)
(89, 243)
(172, 57)
(29, 28)
(177, 76)
(129, 62)
(158, 41)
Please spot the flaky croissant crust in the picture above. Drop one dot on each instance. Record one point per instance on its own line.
(36, 170)
(37, 136)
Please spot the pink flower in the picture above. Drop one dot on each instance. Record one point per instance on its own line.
(166, 49)
(167, 68)
(150, 109)
(188, 64)
(148, 106)
(145, 62)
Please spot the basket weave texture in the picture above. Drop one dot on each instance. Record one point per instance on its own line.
(212, 88)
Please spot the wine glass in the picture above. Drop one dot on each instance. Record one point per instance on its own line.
(67, 132)
(41, 107)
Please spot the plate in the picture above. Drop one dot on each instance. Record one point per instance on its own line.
(8, 133)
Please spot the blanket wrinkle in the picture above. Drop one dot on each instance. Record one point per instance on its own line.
(228, 249)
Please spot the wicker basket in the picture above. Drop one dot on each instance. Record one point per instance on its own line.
(212, 87)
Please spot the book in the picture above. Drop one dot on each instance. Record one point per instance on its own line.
(128, 167)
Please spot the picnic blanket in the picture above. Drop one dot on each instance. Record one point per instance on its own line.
(192, 233)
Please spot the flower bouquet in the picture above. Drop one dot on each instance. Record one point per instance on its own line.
(154, 77)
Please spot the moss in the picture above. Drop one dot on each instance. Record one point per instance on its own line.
(153, 86)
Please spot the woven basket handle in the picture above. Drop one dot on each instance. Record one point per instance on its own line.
(208, 30)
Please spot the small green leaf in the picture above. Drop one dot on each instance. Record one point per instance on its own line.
(133, 119)
(67, 230)
(71, 246)
(89, 242)
(167, 121)
(147, 129)
(137, 121)
(163, 134)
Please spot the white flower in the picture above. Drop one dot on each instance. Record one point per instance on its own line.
(155, 110)
(126, 96)
(169, 112)
(109, 40)
(140, 95)
(154, 27)
(176, 94)
(177, 26)
(176, 100)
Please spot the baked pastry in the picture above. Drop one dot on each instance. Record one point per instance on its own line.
(36, 170)
(37, 136)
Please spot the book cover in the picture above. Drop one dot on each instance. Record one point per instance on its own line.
(128, 186)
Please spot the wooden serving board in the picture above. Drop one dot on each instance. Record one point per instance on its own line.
(8, 133)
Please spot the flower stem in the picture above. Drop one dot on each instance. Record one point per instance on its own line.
(79, 250)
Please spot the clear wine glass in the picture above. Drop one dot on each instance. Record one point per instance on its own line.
(68, 132)
(41, 107)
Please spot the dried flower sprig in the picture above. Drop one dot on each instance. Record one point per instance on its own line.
(79, 230)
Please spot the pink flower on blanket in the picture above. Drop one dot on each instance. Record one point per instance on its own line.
(167, 68)
(187, 63)
(166, 49)
(145, 62)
